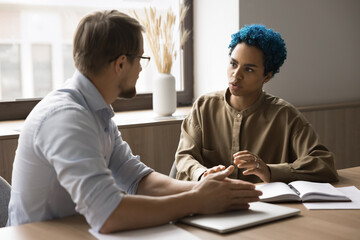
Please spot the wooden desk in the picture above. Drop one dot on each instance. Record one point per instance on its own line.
(311, 224)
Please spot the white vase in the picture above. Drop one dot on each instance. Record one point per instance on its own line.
(164, 94)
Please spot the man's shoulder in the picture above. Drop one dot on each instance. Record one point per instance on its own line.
(57, 104)
(63, 99)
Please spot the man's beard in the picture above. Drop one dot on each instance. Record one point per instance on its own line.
(130, 93)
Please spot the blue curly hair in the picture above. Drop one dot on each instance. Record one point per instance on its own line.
(267, 40)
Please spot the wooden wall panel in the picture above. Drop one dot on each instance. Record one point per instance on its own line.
(7, 153)
(155, 144)
(339, 131)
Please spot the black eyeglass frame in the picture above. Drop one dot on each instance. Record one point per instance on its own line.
(131, 55)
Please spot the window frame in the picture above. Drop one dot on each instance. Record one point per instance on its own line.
(20, 109)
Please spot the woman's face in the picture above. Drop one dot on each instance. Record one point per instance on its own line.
(246, 71)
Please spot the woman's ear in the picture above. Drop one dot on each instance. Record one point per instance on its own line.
(268, 76)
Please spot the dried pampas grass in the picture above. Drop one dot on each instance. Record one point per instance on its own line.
(160, 33)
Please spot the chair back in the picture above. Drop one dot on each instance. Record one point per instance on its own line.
(173, 171)
(5, 190)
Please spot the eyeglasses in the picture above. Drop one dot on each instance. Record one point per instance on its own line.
(144, 60)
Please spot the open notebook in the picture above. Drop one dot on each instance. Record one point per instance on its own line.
(258, 213)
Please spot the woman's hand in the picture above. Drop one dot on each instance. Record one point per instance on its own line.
(253, 165)
(215, 169)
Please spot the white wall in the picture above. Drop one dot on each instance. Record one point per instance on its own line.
(214, 22)
(322, 37)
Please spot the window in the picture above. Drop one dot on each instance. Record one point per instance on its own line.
(10, 71)
(36, 52)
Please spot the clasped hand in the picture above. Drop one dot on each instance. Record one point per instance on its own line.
(253, 165)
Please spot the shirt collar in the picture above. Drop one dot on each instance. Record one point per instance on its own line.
(247, 111)
(92, 96)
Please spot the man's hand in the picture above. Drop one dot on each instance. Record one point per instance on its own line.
(217, 193)
(253, 165)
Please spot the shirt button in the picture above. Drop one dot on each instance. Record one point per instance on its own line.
(238, 116)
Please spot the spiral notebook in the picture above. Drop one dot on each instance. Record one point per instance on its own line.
(258, 213)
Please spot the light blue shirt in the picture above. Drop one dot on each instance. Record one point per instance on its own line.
(71, 158)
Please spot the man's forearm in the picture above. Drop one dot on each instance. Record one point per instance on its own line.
(157, 184)
(144, 211)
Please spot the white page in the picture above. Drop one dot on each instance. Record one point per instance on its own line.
(351, 192)
(164, 232)
(273, 189)
(305, 187)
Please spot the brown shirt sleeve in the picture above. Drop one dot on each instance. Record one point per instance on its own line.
(209, 137)
(188, 157)
(309, 160)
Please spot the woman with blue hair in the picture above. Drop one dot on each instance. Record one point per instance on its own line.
(267, 138)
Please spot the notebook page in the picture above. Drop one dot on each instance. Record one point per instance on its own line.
(351, 192)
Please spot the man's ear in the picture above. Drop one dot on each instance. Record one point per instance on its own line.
(268, 77)
(120, 63)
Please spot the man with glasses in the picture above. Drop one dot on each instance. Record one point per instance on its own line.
(71, 157)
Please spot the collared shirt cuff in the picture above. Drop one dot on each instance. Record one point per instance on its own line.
(281, 173)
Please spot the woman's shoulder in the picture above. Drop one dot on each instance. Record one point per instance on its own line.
(279, 106)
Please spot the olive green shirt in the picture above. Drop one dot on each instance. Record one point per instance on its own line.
(271, 128)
